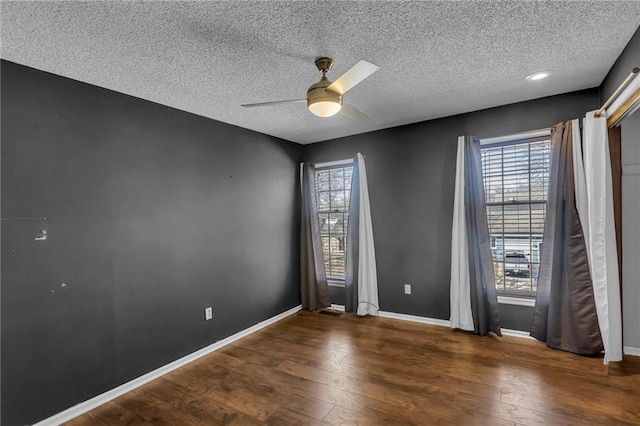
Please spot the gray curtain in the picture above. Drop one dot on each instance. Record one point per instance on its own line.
(565, 312)
(484, 297)
(314, 290)
(353, 243)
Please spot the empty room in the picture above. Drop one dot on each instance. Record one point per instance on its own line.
(320, 212)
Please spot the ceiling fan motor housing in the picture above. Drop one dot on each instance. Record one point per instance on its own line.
(318, 92)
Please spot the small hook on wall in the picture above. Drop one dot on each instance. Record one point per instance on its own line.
(41, 236)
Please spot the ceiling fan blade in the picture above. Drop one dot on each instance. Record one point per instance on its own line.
(353, 76)
(353, 112)
(259, 104)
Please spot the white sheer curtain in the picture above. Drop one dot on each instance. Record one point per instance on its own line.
(367, 274)
(580, 180)
(600, 236)
(460, 297)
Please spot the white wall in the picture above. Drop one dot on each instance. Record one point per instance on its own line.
(631, 230)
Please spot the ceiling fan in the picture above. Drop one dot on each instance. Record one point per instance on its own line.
(324, 98)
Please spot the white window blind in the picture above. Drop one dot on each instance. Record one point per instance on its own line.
(516, 179)
(333, 190)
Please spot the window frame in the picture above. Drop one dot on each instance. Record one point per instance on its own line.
(517, 297)
(334, 281)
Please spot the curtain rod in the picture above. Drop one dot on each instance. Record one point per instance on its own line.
(615, 94)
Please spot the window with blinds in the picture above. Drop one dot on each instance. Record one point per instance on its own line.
(333, 191)
(516, 178)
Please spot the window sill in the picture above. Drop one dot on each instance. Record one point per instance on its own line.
(519, 301)
(335, 283)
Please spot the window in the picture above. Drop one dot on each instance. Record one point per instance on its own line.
(333, 189)
(516, 178)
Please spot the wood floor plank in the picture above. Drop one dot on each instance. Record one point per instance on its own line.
(108, 414)
(343, 370)
(311, 407)
(366, 416)
(284, 416)
(366, 387)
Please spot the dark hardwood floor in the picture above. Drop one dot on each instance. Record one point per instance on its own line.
(318, 369)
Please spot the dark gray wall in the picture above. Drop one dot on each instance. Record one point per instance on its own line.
(411, 171)
(628, 59)
(152, 214)
(516, 317)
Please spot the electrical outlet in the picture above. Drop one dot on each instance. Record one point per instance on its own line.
(407, 289)
(208, 313)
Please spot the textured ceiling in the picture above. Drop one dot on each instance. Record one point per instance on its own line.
(436, 58)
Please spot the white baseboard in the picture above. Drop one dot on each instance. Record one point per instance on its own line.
(446, 323)
(96, 401)
(630, 350)
(437, 321)
(516, 333)
(415, 318)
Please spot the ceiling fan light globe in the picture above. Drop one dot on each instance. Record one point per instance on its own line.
(325, 108)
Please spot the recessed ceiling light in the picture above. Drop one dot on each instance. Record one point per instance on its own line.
(538, 75)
